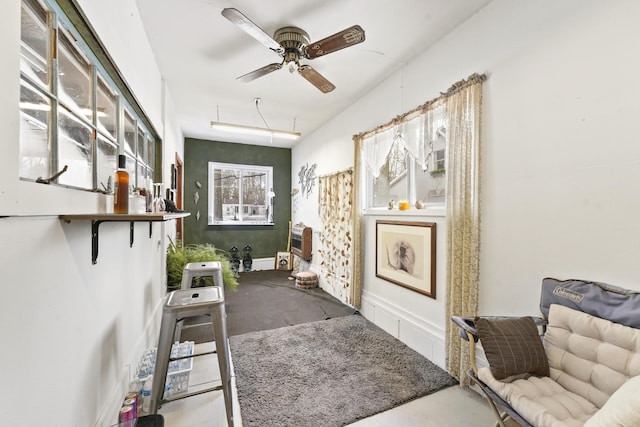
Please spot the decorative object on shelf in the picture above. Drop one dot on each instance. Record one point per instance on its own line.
(391, 205)
(406, 255)
(196, 197)
(171, 207)
(403, 205)
(108, 203)
(420, 204)
(307, 177)
(121, 187)
(158, 201)
(179, 255)
(247, 258)
(234, 260)
(137, 203)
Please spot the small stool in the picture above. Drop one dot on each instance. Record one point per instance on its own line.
(180, 305)
(194, 270)
(306, 280)
(211, 269)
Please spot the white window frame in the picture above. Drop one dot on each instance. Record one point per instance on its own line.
(240, 218)
(140, 169)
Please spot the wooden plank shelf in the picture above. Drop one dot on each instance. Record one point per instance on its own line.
(99, 218)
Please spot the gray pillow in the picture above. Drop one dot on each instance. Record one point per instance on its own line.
(512, 346)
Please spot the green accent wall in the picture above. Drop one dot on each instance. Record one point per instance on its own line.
(265, 240)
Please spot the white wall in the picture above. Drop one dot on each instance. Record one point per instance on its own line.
(73, 332)
(559, 159)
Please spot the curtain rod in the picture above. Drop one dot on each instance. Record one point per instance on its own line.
(455, 88)
(349, 170)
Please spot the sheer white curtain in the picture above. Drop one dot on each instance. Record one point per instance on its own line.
(413, 130)
(416, 130)
(376, 148)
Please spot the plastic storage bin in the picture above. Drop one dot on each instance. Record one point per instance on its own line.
(178, 372)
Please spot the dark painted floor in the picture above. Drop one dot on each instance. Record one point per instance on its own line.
(267, 299)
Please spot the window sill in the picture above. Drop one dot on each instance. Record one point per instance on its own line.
(241, 223)
(439, 211)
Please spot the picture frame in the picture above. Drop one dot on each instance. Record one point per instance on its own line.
(283, 261)
(174, 176)
(406, 254)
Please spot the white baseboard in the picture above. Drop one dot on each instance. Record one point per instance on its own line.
(421, 335)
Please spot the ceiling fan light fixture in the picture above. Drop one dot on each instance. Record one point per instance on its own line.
(251, 130)
(292, 44)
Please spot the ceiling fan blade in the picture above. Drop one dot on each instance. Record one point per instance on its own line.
(246, 25)
(260, 72)
(316, 79)
(345, 38)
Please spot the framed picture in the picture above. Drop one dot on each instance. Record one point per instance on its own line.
(406, 255)
(174, 177)
(283, 261)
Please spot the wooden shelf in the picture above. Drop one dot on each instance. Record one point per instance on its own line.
(99, 218)
(164, 216)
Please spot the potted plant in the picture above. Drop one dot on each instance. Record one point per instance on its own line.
(179, 255)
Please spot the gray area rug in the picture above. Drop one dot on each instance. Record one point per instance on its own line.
(327, 373)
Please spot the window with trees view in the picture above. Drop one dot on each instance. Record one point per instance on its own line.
(240, 194)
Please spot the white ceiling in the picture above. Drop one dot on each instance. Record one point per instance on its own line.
(200, 54)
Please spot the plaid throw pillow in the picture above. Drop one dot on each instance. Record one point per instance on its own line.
(512, 346)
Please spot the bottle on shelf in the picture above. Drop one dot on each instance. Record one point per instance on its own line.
(158, 200)
(121, 187)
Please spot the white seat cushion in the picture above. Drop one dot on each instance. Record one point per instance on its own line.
(540, 400)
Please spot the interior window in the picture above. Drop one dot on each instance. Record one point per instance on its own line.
(34, 132)
(107, 109)
(34, 43)
(74, 141)
(70, 105)
(75, 77)
(240, 194)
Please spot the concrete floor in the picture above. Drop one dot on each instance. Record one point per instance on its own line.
(453, 406)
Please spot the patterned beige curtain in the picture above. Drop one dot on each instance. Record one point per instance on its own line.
(463, 104)
(335, 208)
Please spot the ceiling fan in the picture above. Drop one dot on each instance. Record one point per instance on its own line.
(292, 44)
